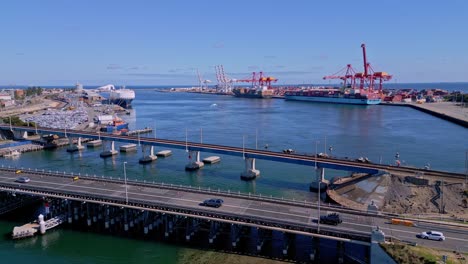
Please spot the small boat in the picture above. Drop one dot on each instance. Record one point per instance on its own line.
(12, 154)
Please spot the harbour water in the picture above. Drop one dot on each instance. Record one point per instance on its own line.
(377, 132)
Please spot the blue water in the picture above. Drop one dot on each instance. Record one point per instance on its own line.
(377, 132)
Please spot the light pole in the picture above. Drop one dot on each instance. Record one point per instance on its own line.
(201, 135)
(256, 137)
(125, 178)
(318, 188)
(243, 146)
(466, 167)
(186, 143)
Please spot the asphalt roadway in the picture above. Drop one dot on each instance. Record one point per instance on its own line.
(265, 208)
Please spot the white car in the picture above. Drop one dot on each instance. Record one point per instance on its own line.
(433, 235)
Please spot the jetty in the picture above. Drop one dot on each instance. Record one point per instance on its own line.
(30, 229)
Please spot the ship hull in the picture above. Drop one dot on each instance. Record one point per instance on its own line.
(259, 96)
(334, 100)
(125, 103)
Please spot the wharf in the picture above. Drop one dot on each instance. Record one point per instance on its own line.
(21, 148)
(139, 131)
(94, 143)
(164, 153)
(128, 148)
(445, 110)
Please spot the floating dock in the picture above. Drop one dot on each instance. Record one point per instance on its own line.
(94, 143)
(30, 229)
(128, 148)
(164, 153)
(211, 160)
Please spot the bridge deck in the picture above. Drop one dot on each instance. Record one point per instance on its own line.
(264, 213)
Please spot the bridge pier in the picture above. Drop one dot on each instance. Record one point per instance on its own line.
(214, 228)
(315, 254)
(72, 147)
(106, 217)
(88, 215)
(320, 183)
(250, 172)
(340, 248)
(109, 153)
(262, 237)
(125, 220)
(69, 212)
(147, 158)
(287, 240)
(194, 161)
(236, 231)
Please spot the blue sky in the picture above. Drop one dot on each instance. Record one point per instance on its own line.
(163, 42)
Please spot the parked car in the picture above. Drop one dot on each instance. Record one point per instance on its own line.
(18, 171)
(331, 219)
(289, 151)
(22, 180)
(433, 235)
(213, 202)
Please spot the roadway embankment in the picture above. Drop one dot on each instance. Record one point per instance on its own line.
(445, 110)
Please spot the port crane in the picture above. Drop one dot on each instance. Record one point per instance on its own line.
(258, 79)
(369, 80)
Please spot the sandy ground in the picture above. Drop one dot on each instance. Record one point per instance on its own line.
(392, 194)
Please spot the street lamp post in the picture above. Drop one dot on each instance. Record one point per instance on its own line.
(318, 188)
(256, 137)
(201, 135)
(125, 179)
(243, 146)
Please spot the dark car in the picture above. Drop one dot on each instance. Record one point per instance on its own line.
(213, 202)
(331, 219)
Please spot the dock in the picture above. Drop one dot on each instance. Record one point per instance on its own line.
(30, 229)
(211, 160)
(445, 110)
(128, 148)
(164, 153)
(94, 143)
(138, 131)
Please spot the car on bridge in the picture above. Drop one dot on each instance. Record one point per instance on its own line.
(22, 179)
(213, 203)
(432, 235)
(331, 219)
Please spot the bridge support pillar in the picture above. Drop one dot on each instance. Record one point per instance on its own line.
(107, 217)
(88, 215)
(194, 161)
(213, 231)
(320, 183)
(147, 158)
(262, 236)
(340, 248)
(314, 255)
(75, 212)
(125, 220)
(250, 172)
(69, 212)
(287, 239)
(72, 147)
(109, 153)
(236, 231)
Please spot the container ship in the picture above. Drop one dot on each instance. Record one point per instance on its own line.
(122, 96)
(260, 86)
(363, 88)
(255, 92)
(333, 95)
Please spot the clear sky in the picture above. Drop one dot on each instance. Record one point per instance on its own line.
(95, 42)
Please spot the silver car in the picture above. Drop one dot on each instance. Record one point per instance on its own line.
(433, 235)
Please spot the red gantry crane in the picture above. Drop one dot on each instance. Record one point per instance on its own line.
(258, 79)
(368, 81)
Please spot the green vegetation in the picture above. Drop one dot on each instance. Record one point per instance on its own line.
(403, 253)
(33, 90)
(16, 121)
